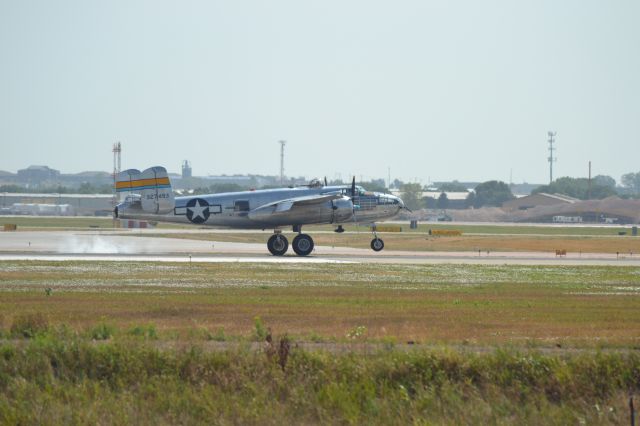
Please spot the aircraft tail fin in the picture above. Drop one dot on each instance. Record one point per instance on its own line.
(152, 184)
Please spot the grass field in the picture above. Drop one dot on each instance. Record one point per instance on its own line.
(132, 342)
(453, 304)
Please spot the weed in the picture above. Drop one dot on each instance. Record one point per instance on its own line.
(283, 351)
(388, 342)
(219, 336)
(29, 325)
(315, 337)
(144, 331)
(260, 332)
(102, 331)
(357, 333)
(199, 333)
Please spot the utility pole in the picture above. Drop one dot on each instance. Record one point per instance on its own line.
(551, 158)
(589, 191)
(282, 144)
(117, 164)
(117, 151)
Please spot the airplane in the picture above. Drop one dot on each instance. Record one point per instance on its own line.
(150, 197)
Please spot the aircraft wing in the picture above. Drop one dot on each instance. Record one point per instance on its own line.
(284, 206)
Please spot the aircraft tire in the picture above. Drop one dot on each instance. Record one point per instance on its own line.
(277, 244)
(302, 244)
(377, 244)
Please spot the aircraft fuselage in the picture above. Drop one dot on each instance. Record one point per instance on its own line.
(255, 209)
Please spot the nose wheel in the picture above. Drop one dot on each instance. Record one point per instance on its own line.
(278, 244)
(377, 244)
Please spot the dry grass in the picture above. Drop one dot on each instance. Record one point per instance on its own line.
(442, 303)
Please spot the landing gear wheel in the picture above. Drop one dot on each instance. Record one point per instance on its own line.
(377, 244)
(278, 244)
(302, 244)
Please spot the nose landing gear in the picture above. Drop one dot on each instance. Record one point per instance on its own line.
(376, 244)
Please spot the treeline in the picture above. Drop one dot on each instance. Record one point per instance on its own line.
(494, 193)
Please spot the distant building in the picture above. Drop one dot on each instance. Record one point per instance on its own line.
(186, 169)
(537, 200)
(76, 204)
(93, 178)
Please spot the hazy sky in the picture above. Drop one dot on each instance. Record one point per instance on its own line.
(432, 89)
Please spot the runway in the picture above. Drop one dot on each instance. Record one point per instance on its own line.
(96, 245)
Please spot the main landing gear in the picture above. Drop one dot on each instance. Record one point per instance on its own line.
(278, 244)
(302, 244)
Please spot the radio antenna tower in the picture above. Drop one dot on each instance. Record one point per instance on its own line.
(282, 144)
(117, 150)
(551, 158)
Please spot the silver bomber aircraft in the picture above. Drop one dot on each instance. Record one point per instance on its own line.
(150, 197)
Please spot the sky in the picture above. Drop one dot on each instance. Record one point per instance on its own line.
(428, 90)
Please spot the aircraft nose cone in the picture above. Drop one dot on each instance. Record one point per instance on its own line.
(397, 201)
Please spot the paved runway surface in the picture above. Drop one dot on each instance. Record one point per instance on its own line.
(107, 245)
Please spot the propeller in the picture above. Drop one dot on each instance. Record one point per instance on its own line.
(325, 181)
(353, 201)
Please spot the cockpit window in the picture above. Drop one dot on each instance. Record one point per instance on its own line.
(359, 191)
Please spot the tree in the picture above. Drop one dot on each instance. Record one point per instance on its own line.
(470, 201)
(376, 185)
(454, 186)
(576, 188)
(443, 201)
(632, 182)
(492, 193)
(603, 180)
(412, 195)
(397, 183)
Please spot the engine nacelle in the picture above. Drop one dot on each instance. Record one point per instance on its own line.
(342, 210)
(290, 213)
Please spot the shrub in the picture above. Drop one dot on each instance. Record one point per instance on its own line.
(219, 336)
(144, 331)
(260, 331)
(29, 325)
(102, 331)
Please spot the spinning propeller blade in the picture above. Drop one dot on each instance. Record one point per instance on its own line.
(353, 201)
